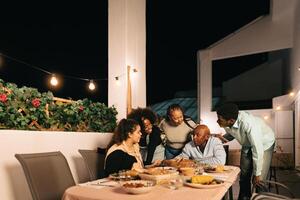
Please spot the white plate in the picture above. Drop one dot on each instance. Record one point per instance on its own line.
(201, 186)
(148, 186)
(226, 169)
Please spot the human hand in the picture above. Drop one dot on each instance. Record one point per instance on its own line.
(178, 159)
(257, 180)
(156, 163)
(220, 136)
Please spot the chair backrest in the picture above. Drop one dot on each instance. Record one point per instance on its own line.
(226, 148)
(48, 174)
(264, 193)
(94, 162)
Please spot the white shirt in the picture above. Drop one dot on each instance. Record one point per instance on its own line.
(252, 133)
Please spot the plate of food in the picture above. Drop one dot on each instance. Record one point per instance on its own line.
(214, 168)
(159, 173)
(137, 186)
(124, 175)
(203, 182)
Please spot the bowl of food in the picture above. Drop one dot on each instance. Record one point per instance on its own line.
(137, 186)
(124, 175)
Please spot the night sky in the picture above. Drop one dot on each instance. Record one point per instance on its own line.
(71, 39)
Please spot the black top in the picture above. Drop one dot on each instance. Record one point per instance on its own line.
(118, 160)
(154, 141)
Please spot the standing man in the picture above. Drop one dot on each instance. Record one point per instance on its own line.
(257, 140)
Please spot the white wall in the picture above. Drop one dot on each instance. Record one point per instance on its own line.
(267, 33)
(13, 185)
(126, 46)
(295, 78)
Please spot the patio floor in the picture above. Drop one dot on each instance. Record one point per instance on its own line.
(290, 178)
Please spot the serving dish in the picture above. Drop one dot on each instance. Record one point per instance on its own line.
(214, 184)
(137, 186)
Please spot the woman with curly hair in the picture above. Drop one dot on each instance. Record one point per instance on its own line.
(124, 151)
(150, 143)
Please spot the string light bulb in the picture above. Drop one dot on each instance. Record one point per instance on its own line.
(291, 94)
(92, 85)
(266, 117)
(278, 108)
(53, 80)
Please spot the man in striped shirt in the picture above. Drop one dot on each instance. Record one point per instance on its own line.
(204, 148)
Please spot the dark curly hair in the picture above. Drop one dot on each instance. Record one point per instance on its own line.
(122, 131)
(139, 114)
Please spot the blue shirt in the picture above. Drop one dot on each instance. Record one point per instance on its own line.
(252, 133)
(213, 154)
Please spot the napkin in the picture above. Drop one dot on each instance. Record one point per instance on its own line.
(100, 183)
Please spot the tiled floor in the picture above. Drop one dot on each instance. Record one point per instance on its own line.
(290, 178)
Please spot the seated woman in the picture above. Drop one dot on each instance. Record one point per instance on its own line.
(124, 151)
(176, 128)
(204, 148)
(151, 146)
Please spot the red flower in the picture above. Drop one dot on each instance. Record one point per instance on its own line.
(36, 102)
(81, 108)
(3, 98)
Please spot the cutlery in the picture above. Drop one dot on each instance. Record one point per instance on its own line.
(99, 184)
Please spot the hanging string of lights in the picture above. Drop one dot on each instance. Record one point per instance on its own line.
(53, 80)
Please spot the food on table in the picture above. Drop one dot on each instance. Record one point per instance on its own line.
(219, 168)
(213, 168)
(124, 175)
(159, 174)
(205, 180)
(137, 186)
(179, 163)
(202, 179)
(131, 173)
(159, 171)
(187, 171)
(133, 185)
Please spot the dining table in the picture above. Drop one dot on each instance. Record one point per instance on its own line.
(105, 189)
